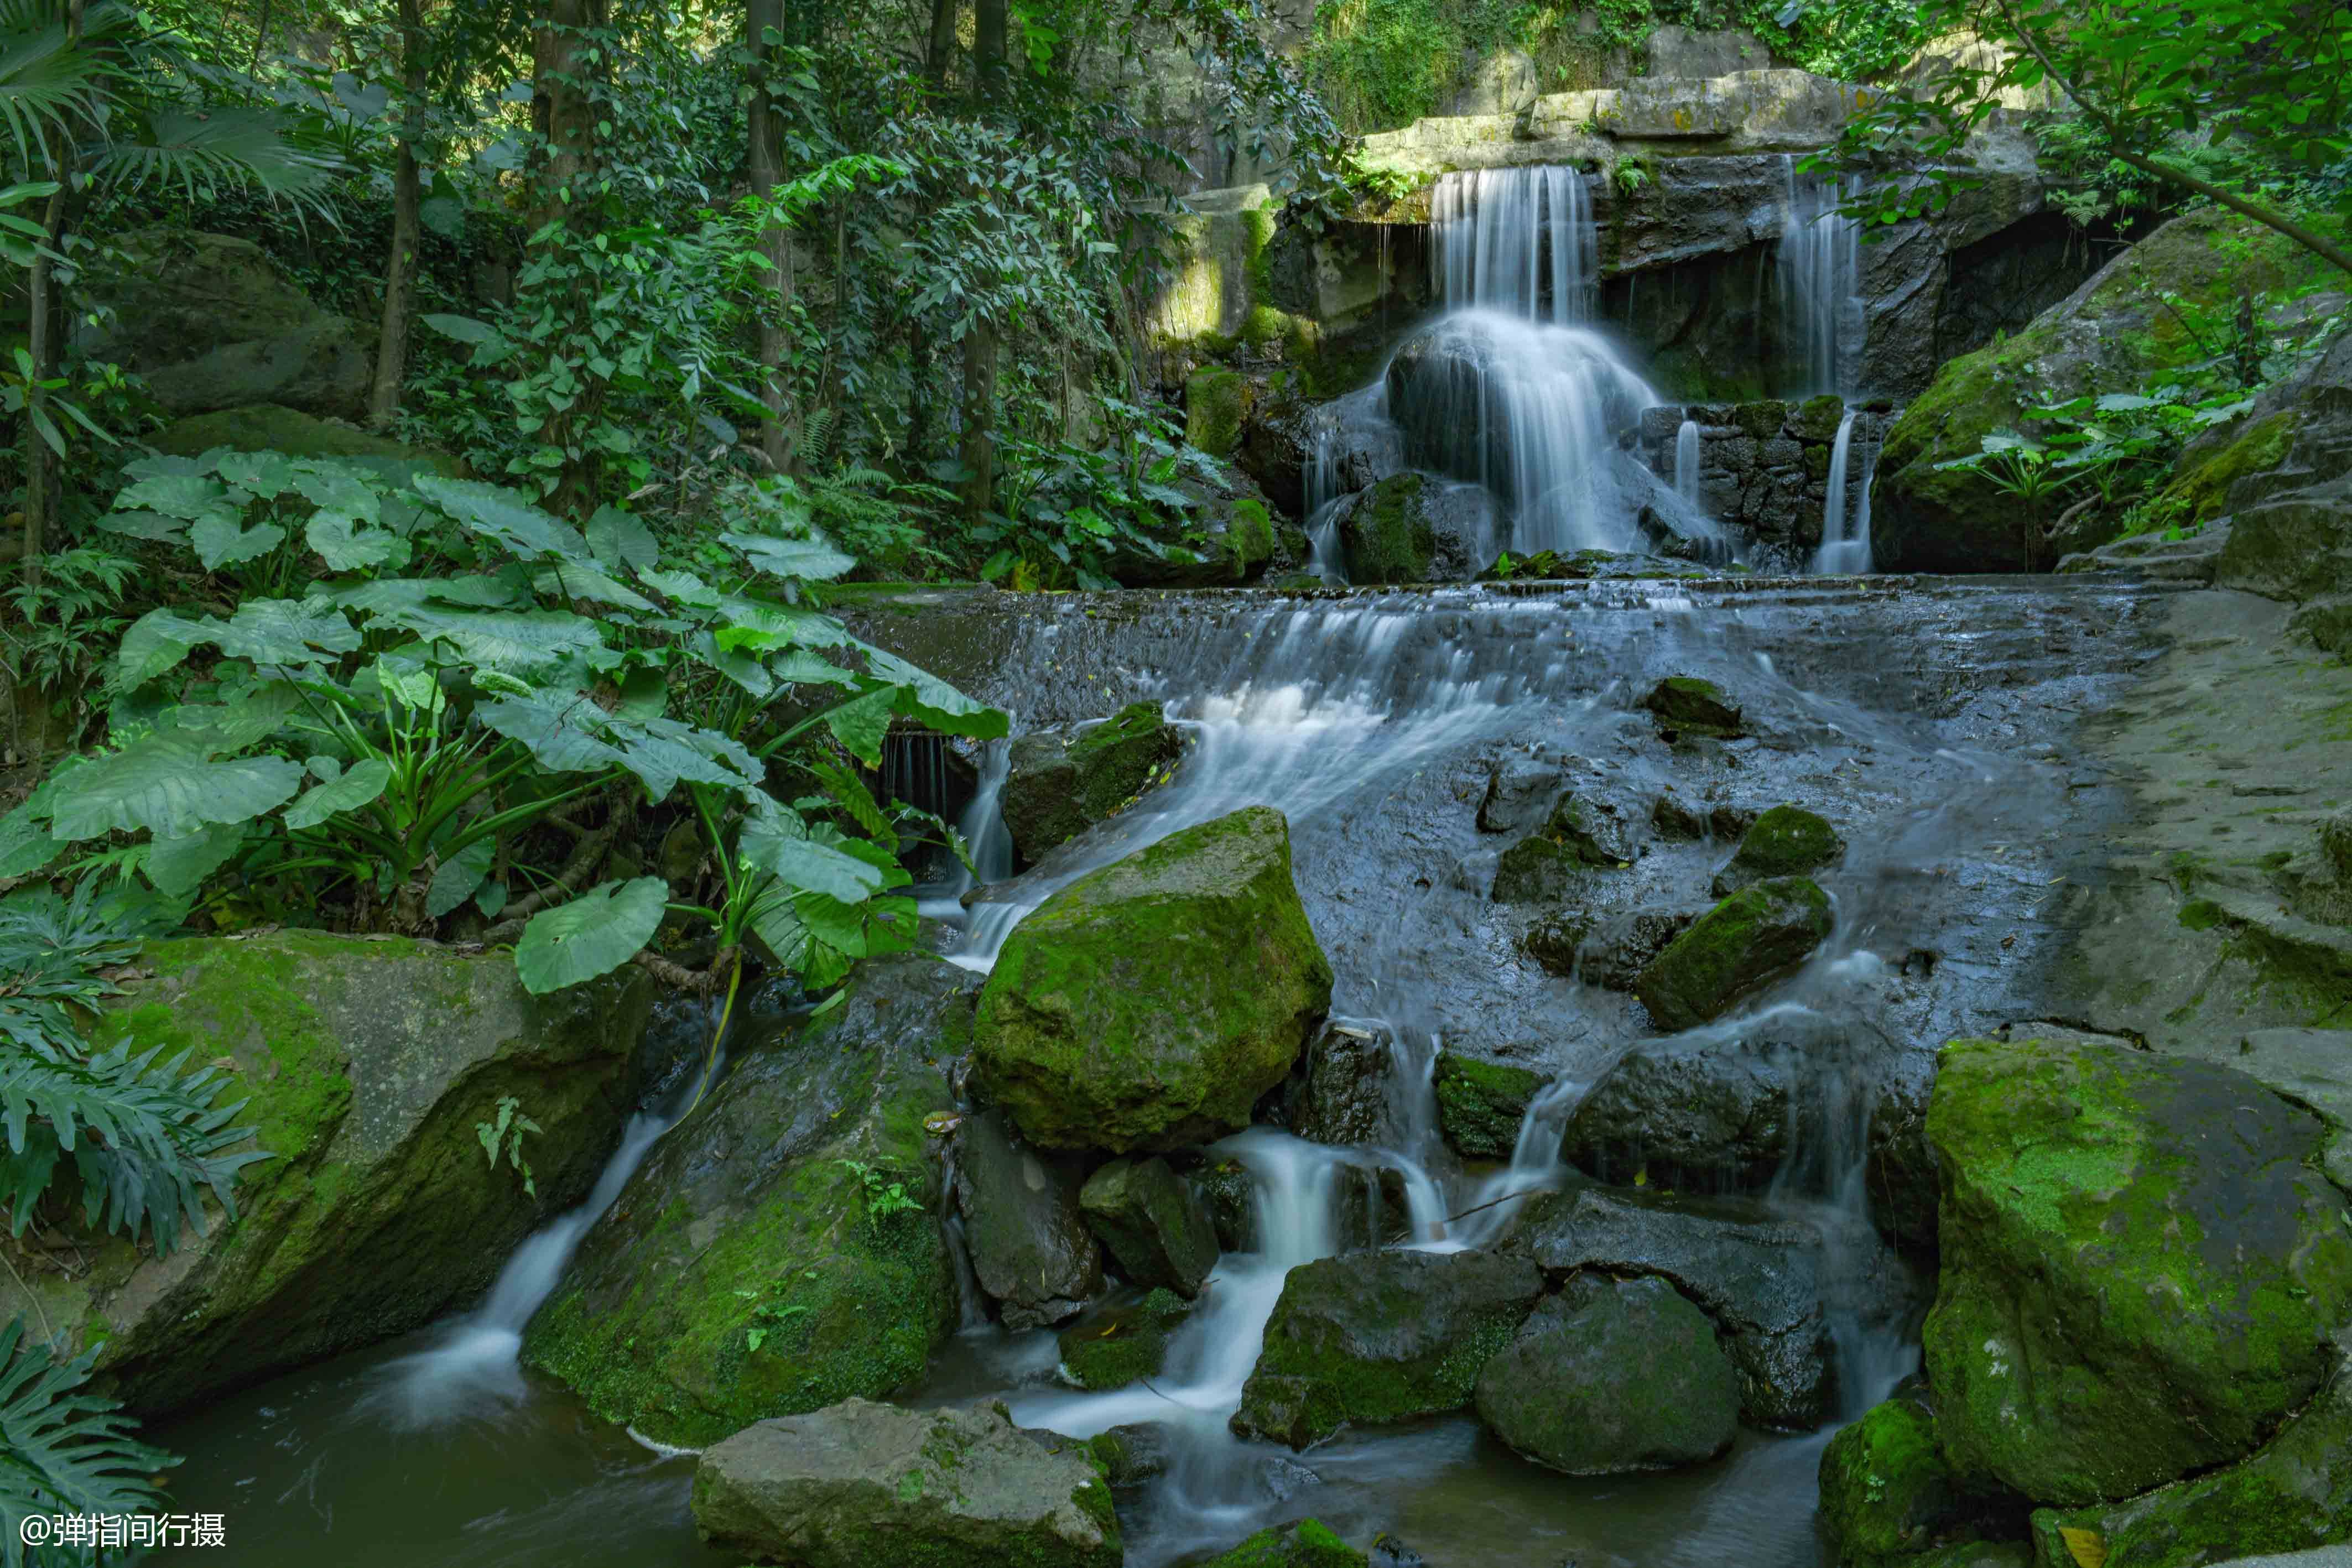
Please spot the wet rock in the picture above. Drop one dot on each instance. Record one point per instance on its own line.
(1685, 704)
(1029, 1244)
(1217, 402)
(2291, 512)
(366, 1065)
(1505, 82)
(2139, 1270)
(1305, 1544)
(1786, 841)
(1610, 952)
(1131, 1456)
(1520, 790)
(1060, 782)
(1480, 1103)
(1388, 1551)
(768, 1218)
(1340, 1093)
(1757, 1274)
(2293, 1493)
(1412, 527)
(1224, 1191)
(1676, 818)
(1888, 1494)
(1152, 1223)
(1149, 1005)
(1117, 1345)
(1704, 1118)
(861, 1484)
(1613, 1376)
(1376, 1337)
(1277, 442)
(1754, 937)
(1580, 835)
(1284, 1477)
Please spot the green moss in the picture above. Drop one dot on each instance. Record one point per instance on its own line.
(1217, 402)
(1750, 937)
(1786, 841)
(1689, 704)
(1305, 1544)
(1112, 1349)
(268, 427)
(1481, 1103)
(1761, 420)
(2201, 915)
(1887, 1492)
(1817, 420)
(2199, 486)
(1388, 534)
(1115, 759)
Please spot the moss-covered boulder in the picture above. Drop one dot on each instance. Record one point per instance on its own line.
(778, 1251)
(366, 1065)
(1154, 1224)
(1115, 1347)
(1148, 1005)
(2108, 336)
(1388, 533)
(1577, 837)
(1888, 1493)
(1688, 705)
(1309, 1544)
(2140, 1272)
(1216, 403)
(1375, 1337)
(862, 1485)
(271, 428)
(1752, 937)
(1480, 1103)
(1613, 1376)
(2293, 1493)
(1786, 841)
(1060, 782)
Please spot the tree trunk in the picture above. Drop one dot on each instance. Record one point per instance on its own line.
(44, 342)
(563, 109)
(407, 196)
(941, 53)
(780, 431)
(978, 449)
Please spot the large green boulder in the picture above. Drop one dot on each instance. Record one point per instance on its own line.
(779, 1251)
(1613, 1376)
(1888, 1493)
(1388, 533)
(2140, 1272)
(2127, 323)
(1480, 1103)
(1058, 783)
(1309, 1544)
(863, 1485)
(1786, 841)
(1376, 1337)
(366, 1065)
(1754, 937)
(2293, 1493)
(1148, 1005)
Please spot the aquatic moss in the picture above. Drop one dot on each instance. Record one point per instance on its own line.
(1113, 1349)
(1308, 1543)
(1481, 1103)
(1888, 1493)
(1689, 704)
(1786, 841)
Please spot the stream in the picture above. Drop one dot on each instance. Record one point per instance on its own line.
(1929, 718)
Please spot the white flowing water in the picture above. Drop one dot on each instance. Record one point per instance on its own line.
(1519, 241)
(1837, 552)
(1821, 306)
(1687, 461)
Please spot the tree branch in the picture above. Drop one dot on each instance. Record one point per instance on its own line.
(586, 855)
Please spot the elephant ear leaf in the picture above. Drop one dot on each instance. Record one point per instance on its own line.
(170, 785)
(593, 934)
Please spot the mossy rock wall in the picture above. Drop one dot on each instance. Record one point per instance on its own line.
(366, 1064)
(748, 1271)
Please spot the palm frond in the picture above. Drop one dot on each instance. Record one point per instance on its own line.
(63, 1450)
(196, 151)
(45, 84)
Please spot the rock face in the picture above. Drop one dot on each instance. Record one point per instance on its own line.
(1609, 952)
(1374, 1337)
(757, 1264)
(1030, 1246)
(1412, 527)
(1756, 1274)
(1340, 1093)
(368, 1064)
(1149, 1005)
(1480, 1103)
(1888, 1494)
(1152, 1223)
(862, 1484)
(2139, 1271)
(1060, 782)
(2291, 529)
(1610, 1376)
(1786, 841)
(1755, 935)
(2109, 333)
(211, 324)
(1765, 465)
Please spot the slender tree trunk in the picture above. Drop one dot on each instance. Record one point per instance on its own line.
(44, 342)
(980, 347)
(563, 112)
(780, 431)
(407, 196)
(941, 53)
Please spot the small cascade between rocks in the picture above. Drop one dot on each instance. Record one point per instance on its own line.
(1845, 546)
(1821, 306)
(1687, 461)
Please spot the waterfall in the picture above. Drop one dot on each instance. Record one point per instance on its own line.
(1520, 241)
(1843, 548)
(1821, 279)
(1687, 461)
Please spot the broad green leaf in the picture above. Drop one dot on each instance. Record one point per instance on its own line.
(178, 866)
(775, 840)
(339, 488)
(360, 783)
(283, 630)
(156, 642)
(516, 641)
(810, 560)
(456, 878)
(497, 590)
(799, 667)
(250, 713)
(26, 845)
(491, 898)
(593, 934)
(931, 701)
(189, 497)
(564, 730)
(344, 547)
(169, 785)
(682, 587)
(618, 540)
(505, 516)
(586, 580)
(463, 328)
(268, 475)
(744, 669)
(144, 526)
(220, 541)
(860, 723)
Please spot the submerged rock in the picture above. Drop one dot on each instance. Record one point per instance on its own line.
(779, 1249)
(1153, 1224)
(1480, 1103)
(1613, 1376)
(1150, 1004)
(366, 1064)
(1375, 1337)
(1687, 704)
(2140, 1272)
(1060, 782)
(1786, 841)
(1754, 937)
(1030, 1246)
(1308, 1543)
(1577, 837)
(1114, 1347)
(860, 1485)
(1888, 1494)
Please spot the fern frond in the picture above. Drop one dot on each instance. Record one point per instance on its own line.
(63, 1450)
(46, 85)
